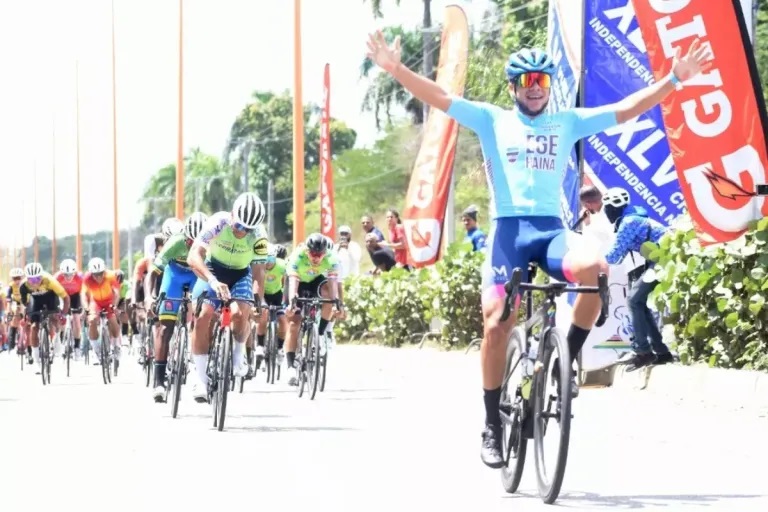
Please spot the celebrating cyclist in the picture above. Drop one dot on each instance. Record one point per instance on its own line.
(72, 281)
(313, 271)
(45, 292)
(171, 262)
(102, 293)
(228, 256)
(526, 151)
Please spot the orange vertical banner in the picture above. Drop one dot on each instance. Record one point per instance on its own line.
(327, 206)
(427, 195)
(715, 121)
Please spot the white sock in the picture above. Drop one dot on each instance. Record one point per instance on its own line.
(96, 346)
(238, 350)
(35, 354)
(201, 363)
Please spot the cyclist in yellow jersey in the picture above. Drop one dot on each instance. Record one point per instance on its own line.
(3, 307)
(46, 292)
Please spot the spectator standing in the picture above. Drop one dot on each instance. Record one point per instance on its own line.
(348, 253)
(474, 234)
(397, 239)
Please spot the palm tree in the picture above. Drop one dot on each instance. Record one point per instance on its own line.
(384, 91)
(428, 45)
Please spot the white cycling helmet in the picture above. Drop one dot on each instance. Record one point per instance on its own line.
(194, 225)
(249, 210)
(617, 197)
(96, 266)
(16, 272)
(33, 269)
(172, 226)
(68, 266)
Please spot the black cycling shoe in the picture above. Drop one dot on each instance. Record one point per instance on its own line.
(490, 450)
(640, 361)
(664, 358)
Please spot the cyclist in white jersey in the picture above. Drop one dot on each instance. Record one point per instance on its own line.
(525, 152)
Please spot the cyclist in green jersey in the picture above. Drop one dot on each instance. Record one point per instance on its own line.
(171, 263)
(313, 271)
(228, 256)
(274, 286)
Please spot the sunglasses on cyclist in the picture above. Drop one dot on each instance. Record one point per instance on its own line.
(544, 80)
(35, 280)
(98, 274)
(316, 255)
(17, 278)
(240, 227)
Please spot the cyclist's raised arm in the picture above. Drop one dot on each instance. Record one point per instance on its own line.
(697, 60)
(388, 58)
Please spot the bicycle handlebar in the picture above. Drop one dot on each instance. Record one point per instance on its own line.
(515, 284)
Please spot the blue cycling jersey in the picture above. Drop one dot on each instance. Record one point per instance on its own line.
(525, 159)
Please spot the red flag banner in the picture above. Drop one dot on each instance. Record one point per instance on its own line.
(427, 195)
(716, 121)
(327, 213)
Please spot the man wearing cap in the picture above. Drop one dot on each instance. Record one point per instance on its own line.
(348, 253)
(474, 234)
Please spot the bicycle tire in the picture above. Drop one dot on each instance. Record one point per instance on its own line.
(553, 344)
(212, 370)
(302, 360)
(178, 367)
(44, 347)
(225, 364)
(68, 347)
(269, 352)
(323, 369)
(105, 363)
(313, 364)
(511, 475)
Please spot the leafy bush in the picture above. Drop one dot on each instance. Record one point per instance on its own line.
(714, 297)
(398, 304)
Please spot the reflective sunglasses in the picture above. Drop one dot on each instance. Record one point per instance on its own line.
(35, 280)
(529, 79)
(242, 228)
(316, 255)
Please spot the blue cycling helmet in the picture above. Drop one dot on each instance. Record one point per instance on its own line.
(529, 60)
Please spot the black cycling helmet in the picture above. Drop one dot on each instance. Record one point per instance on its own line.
(280, 251)
(317, 243)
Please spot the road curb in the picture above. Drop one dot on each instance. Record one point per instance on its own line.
(737, 387)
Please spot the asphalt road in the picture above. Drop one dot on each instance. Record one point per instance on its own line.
(395, 430)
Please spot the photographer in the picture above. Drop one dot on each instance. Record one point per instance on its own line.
(348, 253)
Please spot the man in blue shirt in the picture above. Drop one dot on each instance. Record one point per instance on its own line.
(633, 229)
(474, 235)
(525, 152)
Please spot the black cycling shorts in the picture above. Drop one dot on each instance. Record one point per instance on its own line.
(75, 301)
(311, 289)
(275, 299)
(48, 301)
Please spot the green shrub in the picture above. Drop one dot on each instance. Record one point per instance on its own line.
(715, 296)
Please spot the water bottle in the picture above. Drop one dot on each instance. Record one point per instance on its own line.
(533, 352)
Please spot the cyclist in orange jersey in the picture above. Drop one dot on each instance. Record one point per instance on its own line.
(102, 294)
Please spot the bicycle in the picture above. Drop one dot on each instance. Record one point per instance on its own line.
(519, 411)
(176, 369)
(220, 367)
(68, 340)
(270, 346)
(308, 358)
(21, 342)
(44, 338)
(106, 348)
(146, 351)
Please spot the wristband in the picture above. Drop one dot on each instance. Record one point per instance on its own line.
(673, 78)
(213, 281)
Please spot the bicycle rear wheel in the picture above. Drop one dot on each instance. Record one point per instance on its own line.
(225, 376)
(547, 406)
(178, 369)
(513, 408)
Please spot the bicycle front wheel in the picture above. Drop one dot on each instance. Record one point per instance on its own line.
(554, 405)
(44, 356)
(106, 366)
(225, 376)
(178, 369)
(313, 364)
(68, 347)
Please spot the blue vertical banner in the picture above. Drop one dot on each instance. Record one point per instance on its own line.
(635, 155)
(564, 45)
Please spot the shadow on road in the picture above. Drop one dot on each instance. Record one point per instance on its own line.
(580, 501)
(208, 416)
(346, 398)
(264, 428)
